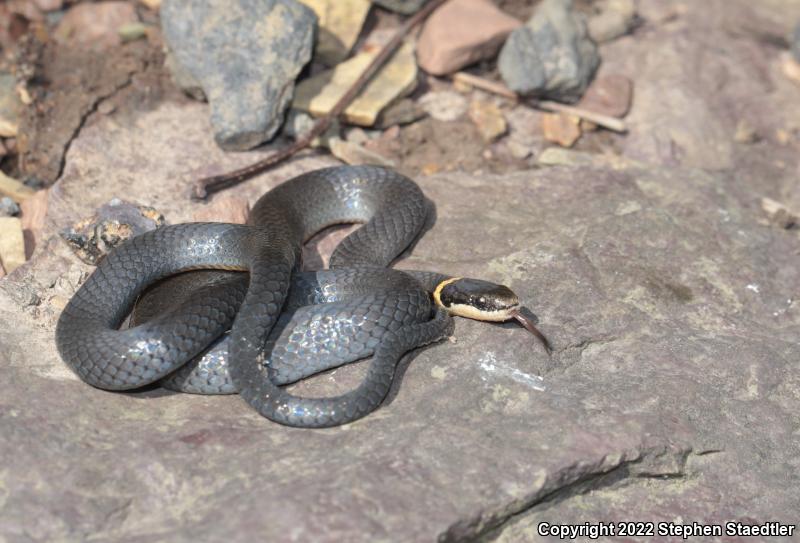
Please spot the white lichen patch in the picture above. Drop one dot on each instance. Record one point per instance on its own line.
(492, 368)
(626, 208)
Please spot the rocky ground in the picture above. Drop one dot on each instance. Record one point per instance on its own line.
(663, 264)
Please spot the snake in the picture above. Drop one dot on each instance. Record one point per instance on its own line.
(279, 324)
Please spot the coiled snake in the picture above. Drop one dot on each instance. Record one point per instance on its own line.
(285, 324)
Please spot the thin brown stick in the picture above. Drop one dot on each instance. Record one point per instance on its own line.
(210, 185)
(611, 123)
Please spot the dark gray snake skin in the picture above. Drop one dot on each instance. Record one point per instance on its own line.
(368, 310)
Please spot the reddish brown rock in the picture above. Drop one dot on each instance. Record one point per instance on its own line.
(462, 32)
(610, 95)
(95, 24)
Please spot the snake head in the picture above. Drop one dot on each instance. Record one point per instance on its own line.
(485, 301)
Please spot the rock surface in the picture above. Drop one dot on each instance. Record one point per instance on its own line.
(248, 86)
(95, 24)
(551, 56)
(318, 94)
(353, 153)
(795, 43)
(743, 81)
(460, 33)
(669, 293)
(672, 391)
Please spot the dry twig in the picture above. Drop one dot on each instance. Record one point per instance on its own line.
(611, 123)
(209, 185)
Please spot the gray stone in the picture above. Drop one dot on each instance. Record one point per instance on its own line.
(672, 392)
(8, 207)
(406, 7)
(245, 56)
(795, 43)
(551, 56)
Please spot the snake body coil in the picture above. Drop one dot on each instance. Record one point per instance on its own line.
(385, 323)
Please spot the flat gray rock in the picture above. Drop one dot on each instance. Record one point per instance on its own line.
(672, 392)
(795, 42)
(551, 56)
(245, 56)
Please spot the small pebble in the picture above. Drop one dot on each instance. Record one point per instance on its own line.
(791, 68)
(8, 207)
(488, 118)
(609, 95)
(132, 32)
(561, 128)
(357, 135)
(444, 105)
(616, 18)
(745, 133)
(779, 214)
(106, 107)
(12, 244)
(518, 150)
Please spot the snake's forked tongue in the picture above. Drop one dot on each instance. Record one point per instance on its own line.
(527, 322)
